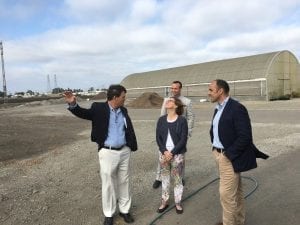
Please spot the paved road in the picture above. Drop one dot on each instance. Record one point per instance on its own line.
(276, 128)
(275, 202)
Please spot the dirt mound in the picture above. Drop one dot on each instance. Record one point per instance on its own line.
(99, 96)
(49, 102)
(147, 100)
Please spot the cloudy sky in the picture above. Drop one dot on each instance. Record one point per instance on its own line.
(94, 43)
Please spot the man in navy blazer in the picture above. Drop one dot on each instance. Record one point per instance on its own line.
(113, 131)
(233, 149)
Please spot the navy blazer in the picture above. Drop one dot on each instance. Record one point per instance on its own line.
(179, 134)
(235, 134)
(99, 115)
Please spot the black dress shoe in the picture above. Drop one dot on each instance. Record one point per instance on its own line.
(156, 184)
(163, 209)
(179, 211)
(108, 221)
(127, 217)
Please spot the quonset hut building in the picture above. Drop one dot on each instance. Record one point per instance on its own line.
(268, 76)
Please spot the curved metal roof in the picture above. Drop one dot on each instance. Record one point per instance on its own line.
(243, 68)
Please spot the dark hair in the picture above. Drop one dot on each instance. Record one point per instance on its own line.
(223, 84)
(179, 104)
(115, 90)
(177, 82)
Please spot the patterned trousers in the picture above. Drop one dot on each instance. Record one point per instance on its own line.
(172, 169)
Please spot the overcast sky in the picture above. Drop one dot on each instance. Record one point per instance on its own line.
(93, 43)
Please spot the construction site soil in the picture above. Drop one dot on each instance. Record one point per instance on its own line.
(49, 168)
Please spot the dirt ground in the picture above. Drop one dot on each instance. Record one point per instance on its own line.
(49, 172)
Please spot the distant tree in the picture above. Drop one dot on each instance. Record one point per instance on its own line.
(57, 90)
(30, 92)
(77, 90)
(1, 94)
(20, 93)
(91, 89)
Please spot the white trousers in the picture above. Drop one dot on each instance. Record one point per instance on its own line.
(114, 172)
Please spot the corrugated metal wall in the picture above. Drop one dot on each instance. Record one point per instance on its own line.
(266, 76)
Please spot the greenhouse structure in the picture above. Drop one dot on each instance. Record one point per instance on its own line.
(269, 76)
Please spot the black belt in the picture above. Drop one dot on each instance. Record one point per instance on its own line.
(114, 148)
(220, 150)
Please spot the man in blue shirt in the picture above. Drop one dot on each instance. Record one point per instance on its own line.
(233, 150)
(113, 131)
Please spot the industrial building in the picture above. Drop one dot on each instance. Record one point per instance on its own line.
(269, 76)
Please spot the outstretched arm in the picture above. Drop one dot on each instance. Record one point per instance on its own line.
(70, 98)
(75, 108)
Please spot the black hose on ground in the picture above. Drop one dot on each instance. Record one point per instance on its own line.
(200, 189)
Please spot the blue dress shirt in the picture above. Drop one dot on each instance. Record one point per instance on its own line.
(220, 107)
(116, 129)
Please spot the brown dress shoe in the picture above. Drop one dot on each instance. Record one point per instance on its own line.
(220, 223)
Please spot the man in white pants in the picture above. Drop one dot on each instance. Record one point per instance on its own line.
(175, 90)
(112, 130)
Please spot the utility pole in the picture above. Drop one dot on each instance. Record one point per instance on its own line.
(55, 81)
(48, 85)
(3, 72)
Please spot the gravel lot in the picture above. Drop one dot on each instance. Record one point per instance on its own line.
(49, 172)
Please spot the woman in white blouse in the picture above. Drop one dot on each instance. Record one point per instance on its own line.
(171, 138)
